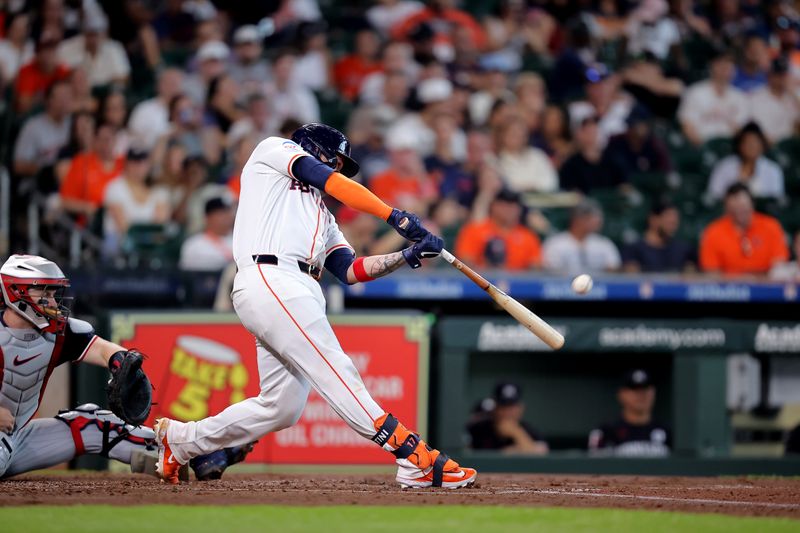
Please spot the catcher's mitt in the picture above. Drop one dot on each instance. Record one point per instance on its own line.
(130, 393)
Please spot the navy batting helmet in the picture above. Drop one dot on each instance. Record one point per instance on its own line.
(321, 140)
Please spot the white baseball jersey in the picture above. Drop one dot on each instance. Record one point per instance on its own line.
(278, 214)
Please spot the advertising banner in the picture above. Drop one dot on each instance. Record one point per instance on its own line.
(200, 363)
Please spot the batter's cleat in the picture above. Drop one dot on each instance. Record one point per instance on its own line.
(426, 467)
(145, 462)
(419, 465)
(211, 466)
(167, 466)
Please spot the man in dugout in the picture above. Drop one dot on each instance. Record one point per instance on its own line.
(635, 434)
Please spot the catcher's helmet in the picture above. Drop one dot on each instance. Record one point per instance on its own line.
(34, 288)
(321, 140)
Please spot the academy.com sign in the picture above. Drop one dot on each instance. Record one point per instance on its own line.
(642, 336)
(777, 338)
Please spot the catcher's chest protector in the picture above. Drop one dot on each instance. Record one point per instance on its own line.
(25, 357)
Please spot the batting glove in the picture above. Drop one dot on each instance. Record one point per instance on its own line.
(408, 225)
(430, 246)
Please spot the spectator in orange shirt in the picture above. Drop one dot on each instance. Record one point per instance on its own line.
(500, 240)
(350, 71)
(37, 76)
(405, 183)
(742, 241)
(84, 186)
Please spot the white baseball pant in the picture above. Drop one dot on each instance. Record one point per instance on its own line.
(296, 349)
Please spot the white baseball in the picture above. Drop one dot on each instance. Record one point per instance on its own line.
(582, 284)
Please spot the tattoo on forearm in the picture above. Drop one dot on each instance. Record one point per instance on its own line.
(386, 264)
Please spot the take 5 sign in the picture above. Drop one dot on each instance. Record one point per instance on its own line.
(200, 363)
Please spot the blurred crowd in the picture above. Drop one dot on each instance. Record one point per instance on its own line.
(581, 136)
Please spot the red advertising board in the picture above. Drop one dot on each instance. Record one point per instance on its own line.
(201, 363)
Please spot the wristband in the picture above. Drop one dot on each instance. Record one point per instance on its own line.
(360, 272)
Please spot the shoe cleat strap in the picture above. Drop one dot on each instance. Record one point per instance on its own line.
(408, 446)
(438, 469)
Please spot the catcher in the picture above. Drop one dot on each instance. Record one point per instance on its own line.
(37, 335)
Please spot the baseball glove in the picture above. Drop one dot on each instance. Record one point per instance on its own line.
(130, 393)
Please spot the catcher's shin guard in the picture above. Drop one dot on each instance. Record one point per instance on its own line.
(419, 465)
(100, 432)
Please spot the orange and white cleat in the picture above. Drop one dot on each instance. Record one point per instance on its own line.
(419, 465)
(167, 468)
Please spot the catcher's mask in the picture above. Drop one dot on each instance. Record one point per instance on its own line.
(34, 287)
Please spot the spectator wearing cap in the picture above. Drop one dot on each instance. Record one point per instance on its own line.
(44, 134)
(351, 70)
(405, 183)
(499, 425)
(605, 101)
(742, 241)
(37, 76)
(129, 199)
(84, 186)
(434, 94)
(587, 169)
(581, 249)
(212, 61)
(105, 59)
(524, 168)
(638, 150)
(16, 48)
(659, 250)
(713, 108)
(773, 107)
(749, 166)
(211, 249)
(247, 66)
(636, 433)
(500, 240)
(788, 270)
(289, 99)
(751, 73)
(150, 119)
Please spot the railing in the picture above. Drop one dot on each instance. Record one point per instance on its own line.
(80, 239)
(5, 211)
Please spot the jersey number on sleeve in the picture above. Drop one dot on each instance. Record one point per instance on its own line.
(298, 185)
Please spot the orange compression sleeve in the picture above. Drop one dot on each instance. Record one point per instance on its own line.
(355, 195)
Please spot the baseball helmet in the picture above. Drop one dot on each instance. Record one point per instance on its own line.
(321, 140)
(34, 288)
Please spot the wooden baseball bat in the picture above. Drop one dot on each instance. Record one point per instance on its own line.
(522, 314)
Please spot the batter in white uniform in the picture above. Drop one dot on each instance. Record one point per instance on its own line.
(283, 237)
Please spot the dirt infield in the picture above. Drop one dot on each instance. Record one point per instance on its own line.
(738, 496)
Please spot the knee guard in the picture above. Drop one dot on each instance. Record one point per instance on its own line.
(111, 428)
